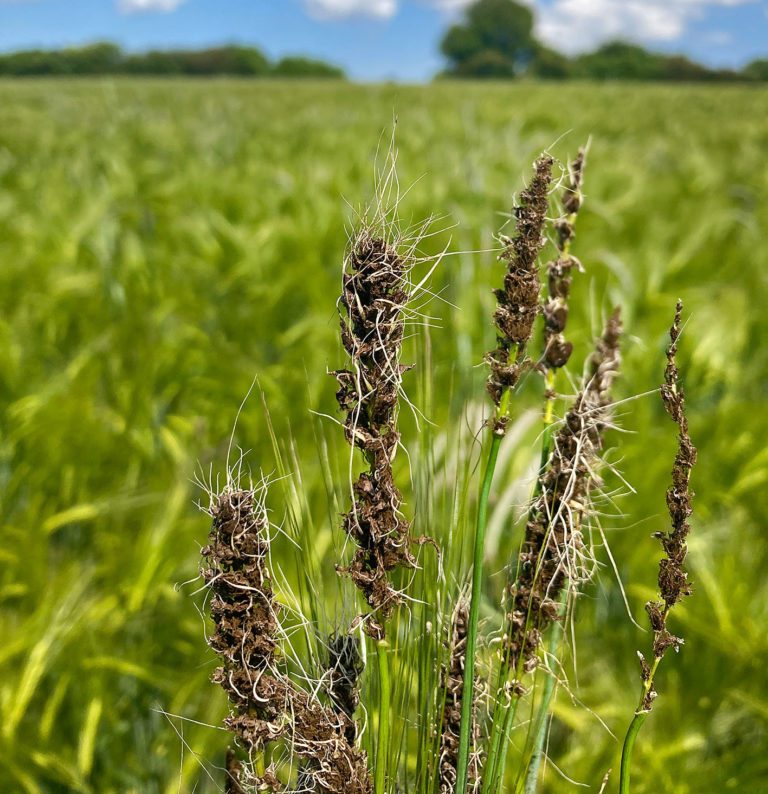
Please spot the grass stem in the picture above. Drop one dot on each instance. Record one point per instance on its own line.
(501, 725)
(497, 779)
(626, 753)
(634, 728)
(474, 605)
(532, 775)
(384, 698)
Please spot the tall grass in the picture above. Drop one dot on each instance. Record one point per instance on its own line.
(162, 244)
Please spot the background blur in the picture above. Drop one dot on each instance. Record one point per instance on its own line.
(163, 241)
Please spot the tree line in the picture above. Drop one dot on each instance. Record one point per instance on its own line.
(109, 59)
(496, 40)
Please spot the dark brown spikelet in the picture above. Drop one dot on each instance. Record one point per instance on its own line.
(553, 544)
(345, 665)
(452, 682)
(557, 351)
(518, 301)
(234, 772)
(673, 579)
(267, 705)
(371, 315)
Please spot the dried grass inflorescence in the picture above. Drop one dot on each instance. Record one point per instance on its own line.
(234, 772)
(372, 324)
(673, 579)
(518, 301)
(268, 706)
(345, 666)
(452, 683)
(553, 550)
(557, 351)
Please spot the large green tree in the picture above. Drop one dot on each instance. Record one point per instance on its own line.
(758, 69)
(495, 39)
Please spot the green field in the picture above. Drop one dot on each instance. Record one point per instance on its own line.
(163, 243)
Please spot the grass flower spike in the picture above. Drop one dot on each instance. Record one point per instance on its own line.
(452, 682)
(372, 323)
(518, 301)
(553, 549)
(673, 579)
(518, 306)
(556, 350)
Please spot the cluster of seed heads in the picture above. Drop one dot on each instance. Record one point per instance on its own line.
(267, 705)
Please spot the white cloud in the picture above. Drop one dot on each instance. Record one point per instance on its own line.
(578, 25)
(449, 5)
(568, 25)
(133, 6)
(338, 9)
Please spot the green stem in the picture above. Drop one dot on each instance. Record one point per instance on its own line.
(468, 690)
(498, 773)
(384, 699)
(493, 748)
(532, 776)
(634, 727)
(626, 753)
(496, 759)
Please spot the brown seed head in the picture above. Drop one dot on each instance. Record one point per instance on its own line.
(553, 541)
(371, 317)
(452, 682)
(267, 705)
(673, 579)
(557, 351)
(518, 302)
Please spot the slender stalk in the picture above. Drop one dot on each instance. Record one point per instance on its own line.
(496, 761)
(626, 753)
(532, 776)
(498, 729)
(474, 604)
(497, 777)
(382, 749)
(634, 727)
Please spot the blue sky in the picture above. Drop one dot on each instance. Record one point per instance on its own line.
(380, 39)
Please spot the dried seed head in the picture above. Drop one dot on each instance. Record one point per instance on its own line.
(371, 315)
(518, 301)
(673, 579)
(557, 351)
(452, 683)
(345, 665)
(553, 549)
(234, 771)
(267, 705)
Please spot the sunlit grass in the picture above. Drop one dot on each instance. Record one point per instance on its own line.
(164, 242)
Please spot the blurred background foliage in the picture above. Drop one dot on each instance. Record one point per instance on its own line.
(164, 243)
(106, 57)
